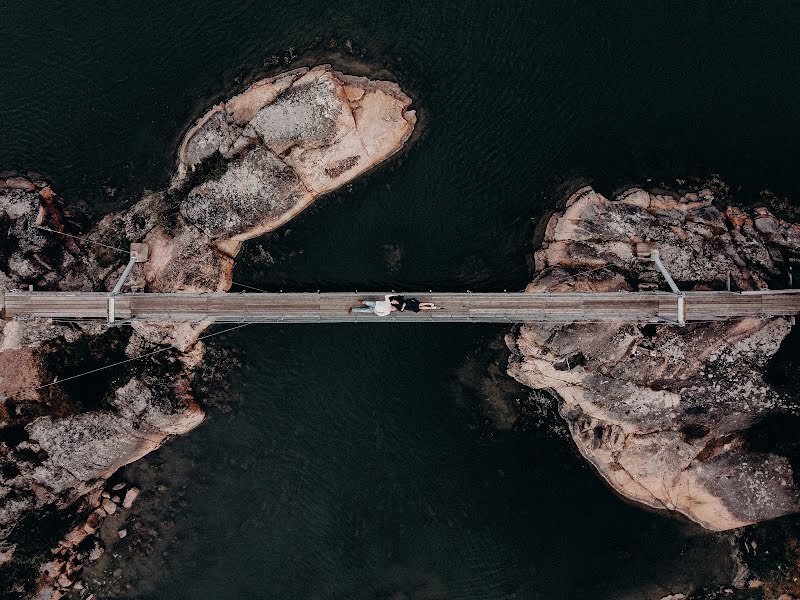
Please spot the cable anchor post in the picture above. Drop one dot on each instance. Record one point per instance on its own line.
(139, 253)
(655, 256)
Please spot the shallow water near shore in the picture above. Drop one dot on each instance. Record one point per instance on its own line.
(347, 466)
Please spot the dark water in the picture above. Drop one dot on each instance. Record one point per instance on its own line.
(347, 469)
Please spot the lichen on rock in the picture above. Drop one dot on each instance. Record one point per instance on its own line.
(663, 412)
(256, 188)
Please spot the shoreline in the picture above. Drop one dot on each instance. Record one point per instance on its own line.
(351, 125)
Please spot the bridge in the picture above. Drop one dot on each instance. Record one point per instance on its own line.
(334, 307)
(511, 307)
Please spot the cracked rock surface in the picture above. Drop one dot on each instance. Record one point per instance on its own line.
(663, 412)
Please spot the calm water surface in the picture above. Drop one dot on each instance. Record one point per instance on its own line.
(347, 469)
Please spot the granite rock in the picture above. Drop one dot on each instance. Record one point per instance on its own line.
(664, 412)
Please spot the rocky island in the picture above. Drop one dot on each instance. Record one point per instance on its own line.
(246, 167)
(665, 413)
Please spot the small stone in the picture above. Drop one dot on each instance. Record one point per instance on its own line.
(92, 522)
(72, 567)
(117, 487)
(52, 568)
(766, 225)
(94, 498)
(106, 495)
(130, 497)
(64, 581)
(78, 585)
(706, 194)
(122, 533)
(735, 216)
(96, 552)
(109, 506)
(20, 183)
(76, 536)
(47, 193)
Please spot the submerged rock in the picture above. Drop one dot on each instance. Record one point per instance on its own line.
(663, 412)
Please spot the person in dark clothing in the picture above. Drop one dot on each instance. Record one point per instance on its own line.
(396, 302)
(411, 304)
(402, 304)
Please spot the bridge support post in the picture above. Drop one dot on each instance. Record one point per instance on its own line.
(139, 253)
(656, 258)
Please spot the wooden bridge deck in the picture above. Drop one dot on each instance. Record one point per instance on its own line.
(513, 307)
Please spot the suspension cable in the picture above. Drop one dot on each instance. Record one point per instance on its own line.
(574, 275)
(122, 362)
(85, 239)
(248, 286)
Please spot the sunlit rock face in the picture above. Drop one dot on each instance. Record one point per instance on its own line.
(663, 412)
(289, 139)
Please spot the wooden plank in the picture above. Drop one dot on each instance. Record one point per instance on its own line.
(330, 307)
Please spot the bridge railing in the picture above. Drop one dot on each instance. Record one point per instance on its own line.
(467, 307)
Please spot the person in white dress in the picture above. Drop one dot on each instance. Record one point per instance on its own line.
(380, 307)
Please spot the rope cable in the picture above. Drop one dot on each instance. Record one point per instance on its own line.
(568, 277)
(85, 239)
(147, 354)
(248, 286)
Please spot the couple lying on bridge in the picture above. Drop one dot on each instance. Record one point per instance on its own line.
(391, 304)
